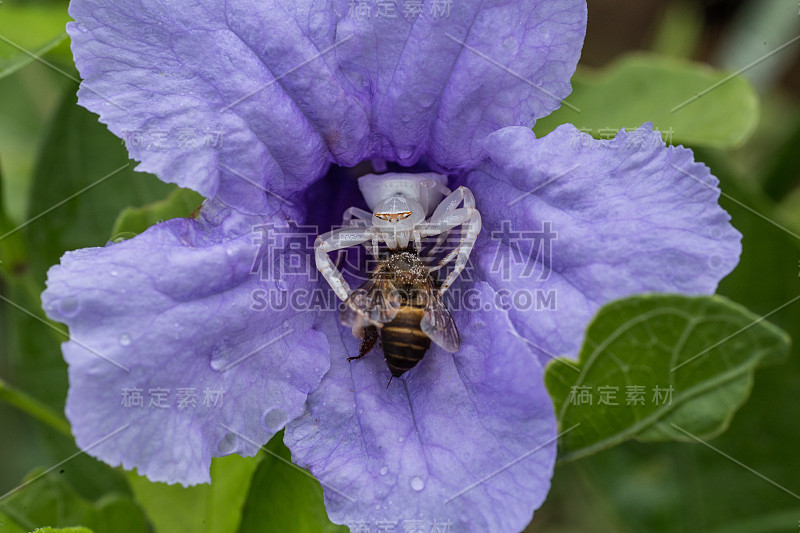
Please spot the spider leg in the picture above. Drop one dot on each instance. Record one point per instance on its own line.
(353, 216)
(375, 241)
(449, 215)
(417, 240)
(449, 257)
(438, 187)
(439, 241)
(332, 241)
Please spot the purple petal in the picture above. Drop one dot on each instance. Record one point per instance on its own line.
(252, 84)
(630, 216)
(444, 79)
(231, 98)
(168, 317)
(466, 439)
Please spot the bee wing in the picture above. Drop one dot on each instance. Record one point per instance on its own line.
(437, 323)
(377, 302)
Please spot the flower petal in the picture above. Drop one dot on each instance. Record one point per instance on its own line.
(233, 98)
(445, 78)
(168, 319)
(624, 216)
(224, 98)
(466, 439)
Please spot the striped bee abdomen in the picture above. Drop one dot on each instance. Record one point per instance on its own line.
(404, 344)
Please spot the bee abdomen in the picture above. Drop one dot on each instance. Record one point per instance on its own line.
(404, 343)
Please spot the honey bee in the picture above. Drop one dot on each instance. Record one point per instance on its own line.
(401, 305)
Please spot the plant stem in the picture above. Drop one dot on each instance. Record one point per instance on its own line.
(34, 408)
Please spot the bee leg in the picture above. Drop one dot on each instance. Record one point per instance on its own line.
(370, 336)
(390, 381)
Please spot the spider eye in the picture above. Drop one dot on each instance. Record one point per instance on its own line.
(393, 217)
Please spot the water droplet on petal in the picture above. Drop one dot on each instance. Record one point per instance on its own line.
(286, 324)
(82, 28)
(227, 444)
(220, 355)
(510, 44)
(114, 273)
(404, 153)
(274, 419)
(417, 483)
(69, 306)
(384, 470)
(400, 439)
(281, 285)
(125, 339)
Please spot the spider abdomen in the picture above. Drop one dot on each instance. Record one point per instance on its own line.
(403, 341)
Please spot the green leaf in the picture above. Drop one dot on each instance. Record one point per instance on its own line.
(783, 167)
(84, 179)
(34, 344)
(7, 525)
(284, 498)
(71, 207)
(699, 352)
(674, 488)
(34, 408)
(46, 500)
(62, 530)
(212, 508)
(28, 31)
(680, 29)
(27, 99)
(687, 102)
(134, 220)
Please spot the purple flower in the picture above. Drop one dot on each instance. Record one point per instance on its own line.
(178, 353)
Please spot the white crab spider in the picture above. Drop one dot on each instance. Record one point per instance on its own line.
(400, 204)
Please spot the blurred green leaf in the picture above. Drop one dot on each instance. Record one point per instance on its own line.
(7, 525)
(75, 200)
(680, 29)
(46, 499)
(283, 498)
(63, 530)
(84, 179)
(782, 175)
(212, 508)
(701, 351)
(34, 345)
(13, 248)
(28, 31)
(33, 408)
(27, 101)
(134, 220)
(689, 103)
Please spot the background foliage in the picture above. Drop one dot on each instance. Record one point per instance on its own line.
(719, 76)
